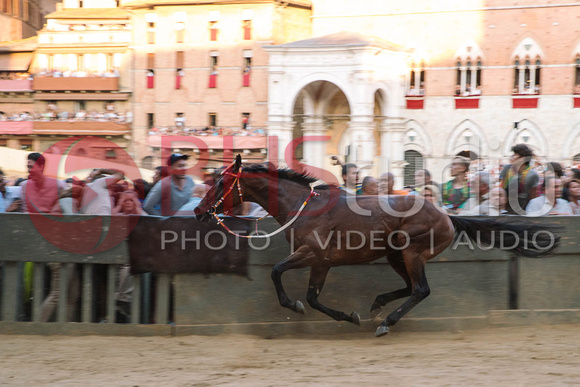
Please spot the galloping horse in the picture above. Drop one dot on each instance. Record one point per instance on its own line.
(414, 231)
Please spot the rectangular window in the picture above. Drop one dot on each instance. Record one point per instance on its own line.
(247, 30)
(179, 120)
(213, 69)
(179, 20)
(150, 120)
(179, 60)
(110, 153)
(213, 31)
(245, 120)
(81, 62)
(179, 33)
(212, 119)
(247, 71)
(151, 33)
(3, 142)
(26, 144)
(80, 105)
(150, 70)
(214, 17)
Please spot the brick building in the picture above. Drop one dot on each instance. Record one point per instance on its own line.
(395, 86)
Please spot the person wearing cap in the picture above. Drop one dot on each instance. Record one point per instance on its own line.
(171, 192)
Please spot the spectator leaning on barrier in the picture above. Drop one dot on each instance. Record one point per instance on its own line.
(173, 191)
(456, 191)
(519, 179)
(9, 196)
(197, 195)
(96, 198)
(39, 192)
(551, 203)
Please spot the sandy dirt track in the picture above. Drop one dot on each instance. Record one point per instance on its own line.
(523, 356)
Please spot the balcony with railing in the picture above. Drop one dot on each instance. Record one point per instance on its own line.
(72, 128)
(15, 127)
(44, 83)
(15, 85)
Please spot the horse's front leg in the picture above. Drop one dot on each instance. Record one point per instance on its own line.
(317, 279)
(302, 257)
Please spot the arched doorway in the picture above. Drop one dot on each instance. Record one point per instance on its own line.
(321, 109)
(414, 162)
(471, 155)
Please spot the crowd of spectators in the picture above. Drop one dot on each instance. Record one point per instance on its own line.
(109, 114)
(206, 131)
(66, 73)
(520, 188)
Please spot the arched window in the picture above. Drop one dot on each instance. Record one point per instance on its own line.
(527, 77)
(147, 162)
(417, 79)
(414, 161)
(577, 76)
(468, 80)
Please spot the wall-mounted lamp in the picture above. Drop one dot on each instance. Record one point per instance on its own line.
(412, 135)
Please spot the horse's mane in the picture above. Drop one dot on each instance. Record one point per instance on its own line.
(286, 174)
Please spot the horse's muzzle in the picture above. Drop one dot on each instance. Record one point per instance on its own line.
(203, 217)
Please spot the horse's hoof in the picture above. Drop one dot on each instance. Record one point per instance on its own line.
(355, 318)
(375, 313)
(382, 330)
(299, 307)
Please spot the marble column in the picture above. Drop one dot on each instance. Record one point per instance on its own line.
(314, 151)
(363, 147)
(283, 130)
(393, 146)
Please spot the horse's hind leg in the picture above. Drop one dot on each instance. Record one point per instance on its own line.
(302, 257)
(396, 261)
(317, 278)
(419, 291)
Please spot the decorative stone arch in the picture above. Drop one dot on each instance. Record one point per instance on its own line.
(536, 139)
(387, 100)
(467, 136)
(572, 144)
(314, 77)
(420, 142)
(147, 162)
(469, 50)
(576, 52)
(527, 48)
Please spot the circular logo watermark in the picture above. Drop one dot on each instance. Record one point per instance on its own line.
(80, 234)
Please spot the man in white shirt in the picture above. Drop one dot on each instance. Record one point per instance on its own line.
(550, 203)
(96, 199)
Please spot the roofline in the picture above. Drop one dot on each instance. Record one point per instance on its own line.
(304, 4)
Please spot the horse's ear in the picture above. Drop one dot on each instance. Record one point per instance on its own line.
(237, 164)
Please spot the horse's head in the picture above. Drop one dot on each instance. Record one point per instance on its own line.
(224, 191)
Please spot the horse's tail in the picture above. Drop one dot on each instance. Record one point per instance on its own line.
(521, 238)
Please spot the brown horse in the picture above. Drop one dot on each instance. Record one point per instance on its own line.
(407, 229)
